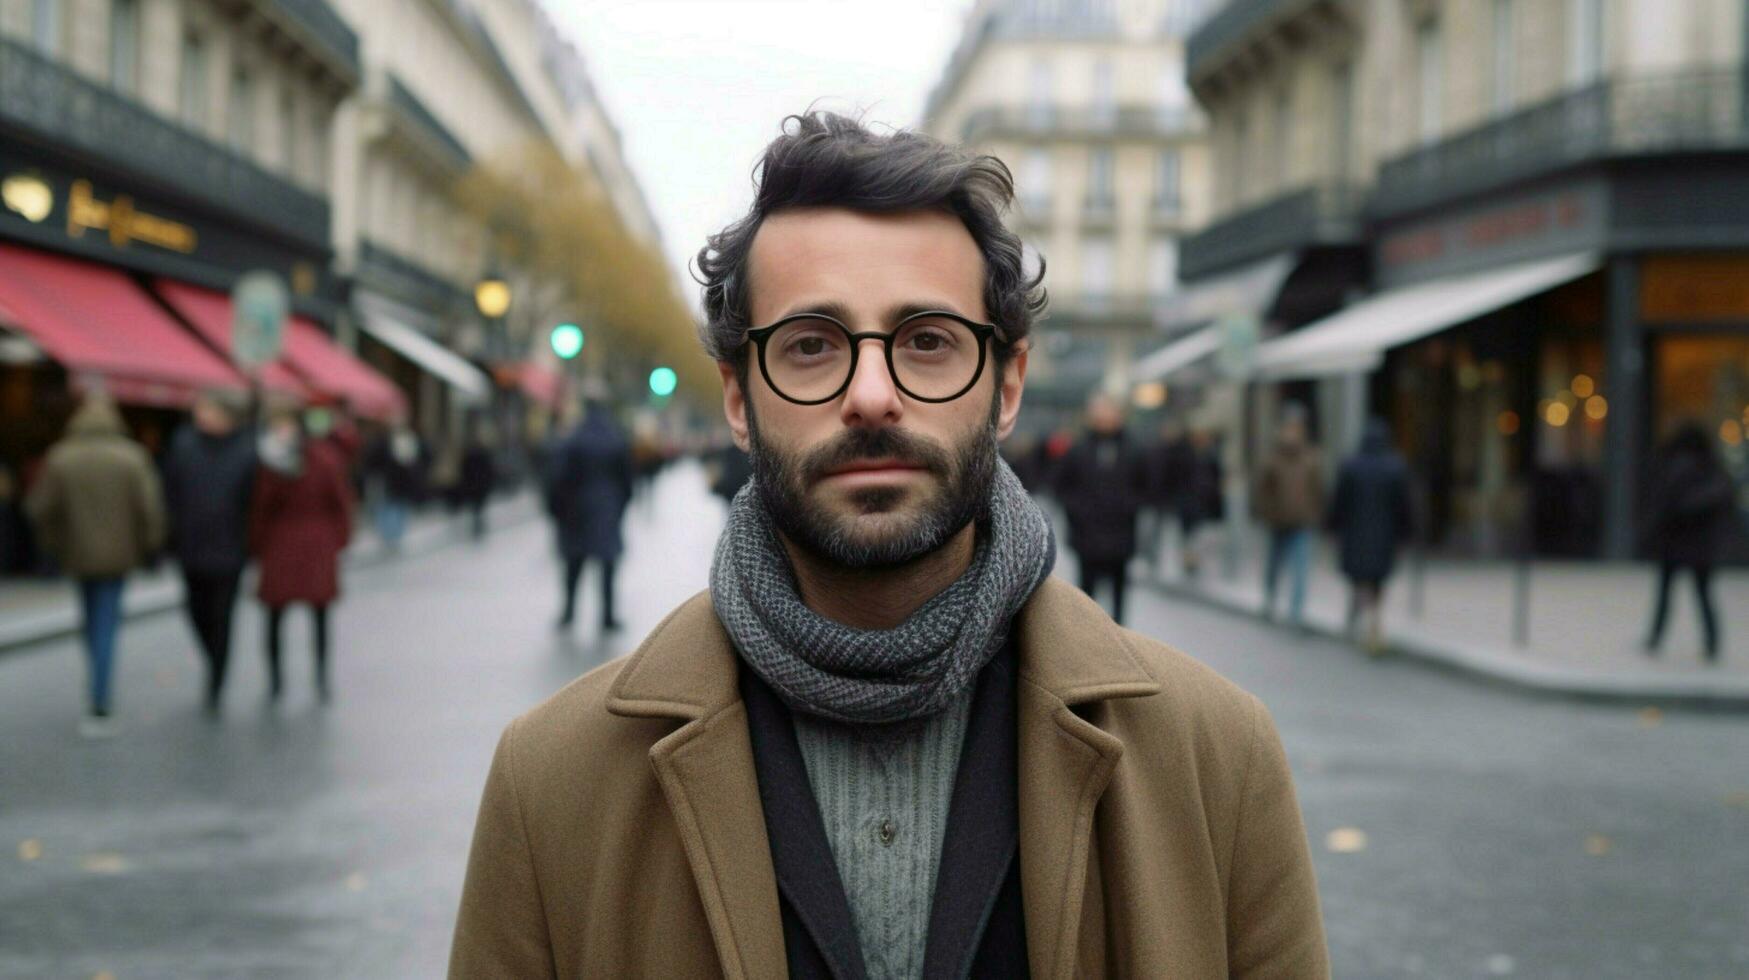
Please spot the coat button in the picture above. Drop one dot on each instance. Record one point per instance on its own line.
(887, 832)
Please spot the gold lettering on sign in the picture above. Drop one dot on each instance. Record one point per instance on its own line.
(124, 224)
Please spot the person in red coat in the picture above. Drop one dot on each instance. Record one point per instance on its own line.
(300, 521)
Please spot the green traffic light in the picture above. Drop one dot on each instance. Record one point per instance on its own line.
(567, 340)
(663, 381)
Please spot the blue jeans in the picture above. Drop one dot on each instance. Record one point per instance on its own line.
(391, 521)
(1292, 547)
(101, 599)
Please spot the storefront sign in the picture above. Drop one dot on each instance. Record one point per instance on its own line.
(1499, 231)
(125, 223)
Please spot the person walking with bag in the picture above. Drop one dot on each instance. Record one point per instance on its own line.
(1693, 506)
(99, 509)
(300, 521)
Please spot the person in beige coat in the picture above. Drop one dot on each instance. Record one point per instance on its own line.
(99, 509)
(885, 743)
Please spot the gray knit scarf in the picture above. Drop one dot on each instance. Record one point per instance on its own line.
(830, 670)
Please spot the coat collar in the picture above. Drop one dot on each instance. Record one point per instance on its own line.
(686, 668)
(1070, 654)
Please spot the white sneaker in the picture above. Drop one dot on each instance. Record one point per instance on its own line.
(98, 726)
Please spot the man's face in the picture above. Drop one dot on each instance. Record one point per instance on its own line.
(872, 478)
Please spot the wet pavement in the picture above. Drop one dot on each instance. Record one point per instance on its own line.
(1459, 830)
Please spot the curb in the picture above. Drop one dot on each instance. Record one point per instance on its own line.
(1507, 669)
(29, 629)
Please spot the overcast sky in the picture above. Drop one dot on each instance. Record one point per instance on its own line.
(697, 87)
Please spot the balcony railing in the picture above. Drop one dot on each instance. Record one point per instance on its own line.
(322, 28)
(1690, 111)
(406, 103)
(402, 277)
(1326, 214)
(55, 106)
(1070, 122)
(1232, 23)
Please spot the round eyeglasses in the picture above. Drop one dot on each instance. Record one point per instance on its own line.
(933, 356)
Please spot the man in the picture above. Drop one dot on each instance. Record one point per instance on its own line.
(99, 510)
(1288, 500)
(589, 483)
(884, 744)
(1101, 486)
(208, 479)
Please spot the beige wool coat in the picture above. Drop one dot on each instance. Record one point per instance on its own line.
(621, 833)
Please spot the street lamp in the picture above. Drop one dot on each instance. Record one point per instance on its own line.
(492, 297)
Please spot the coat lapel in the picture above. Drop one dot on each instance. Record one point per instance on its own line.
(1071, 654)
(686, 670)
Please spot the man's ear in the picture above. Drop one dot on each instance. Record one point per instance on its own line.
(1013, 380)
(734, 404)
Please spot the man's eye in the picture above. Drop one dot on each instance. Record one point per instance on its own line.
(928, 341)
(811, 346)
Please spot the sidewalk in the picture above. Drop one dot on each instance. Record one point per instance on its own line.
(1586, 621)
(34, 610)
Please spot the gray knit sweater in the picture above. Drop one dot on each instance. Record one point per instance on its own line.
(883, 793)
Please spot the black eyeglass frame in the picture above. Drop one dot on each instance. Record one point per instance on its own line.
(983, 331)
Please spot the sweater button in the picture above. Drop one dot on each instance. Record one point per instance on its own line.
(887, 832)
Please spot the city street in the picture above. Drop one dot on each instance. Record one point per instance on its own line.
(1459, 829)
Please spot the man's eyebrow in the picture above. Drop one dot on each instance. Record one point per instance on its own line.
(841, 311)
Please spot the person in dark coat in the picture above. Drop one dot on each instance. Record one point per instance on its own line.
(1200, 492)
(1370, 515)
(475, 481)
(730, 471)
(1167, 463)
(1693, 504)
(589, 483)
(209, 477)
(300, 521)
(398, 465)
(1101, 485)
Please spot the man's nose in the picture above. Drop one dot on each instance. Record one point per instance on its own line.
(872, 399)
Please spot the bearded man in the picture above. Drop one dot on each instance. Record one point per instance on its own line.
(885, 743)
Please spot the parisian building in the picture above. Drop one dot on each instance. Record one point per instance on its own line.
(1517, 230)
(1086, 104)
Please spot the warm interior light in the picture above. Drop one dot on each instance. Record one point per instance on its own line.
(1556, 414)
(1507, 423)
(1596, 408)
(1583, 386)
(1151, 394)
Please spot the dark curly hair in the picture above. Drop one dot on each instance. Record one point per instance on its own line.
(823, 159)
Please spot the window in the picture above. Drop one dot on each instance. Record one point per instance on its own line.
(1584, 41)
(1035, 181)
(1162, 266)
(1167, 175)
(45, 26)
(1240, 160)
(1038, 93)
(240, 129)
(1096, 263)
(1100, 168)
(288, 133)
(193, 96)
(1429, 55)
(1503, 57)
(1281, 153)
(1104, 98)
(1342, 138)
(1174, 97)
(124, 45)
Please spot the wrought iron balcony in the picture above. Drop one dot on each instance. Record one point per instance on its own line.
(1641, 116)
(1079, 122)
(1325, 214)
(1233, 24)
(49, 104)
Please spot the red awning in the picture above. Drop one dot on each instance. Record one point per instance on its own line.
(308, 355)
(98, 324)
(210, 314)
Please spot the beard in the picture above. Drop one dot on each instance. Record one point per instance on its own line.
(880, 531)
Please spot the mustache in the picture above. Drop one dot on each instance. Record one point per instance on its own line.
(855, 445)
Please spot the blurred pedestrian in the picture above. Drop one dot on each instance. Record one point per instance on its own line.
(1201, 495)
(730, 471)
(300, 521)
(1693, 504)
(886, 714)
(1288, 499)
(99, 509)
(209, 478)
(1167, 473)
(1371, 517)
(1101, 485)
(589, 484)
(476, 477)
(396, 468)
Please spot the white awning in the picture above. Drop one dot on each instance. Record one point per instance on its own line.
(1178, 355)
(1249, 290)
(1356, 338)
(431, 356)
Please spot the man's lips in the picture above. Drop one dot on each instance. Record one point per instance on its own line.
(874, 468)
